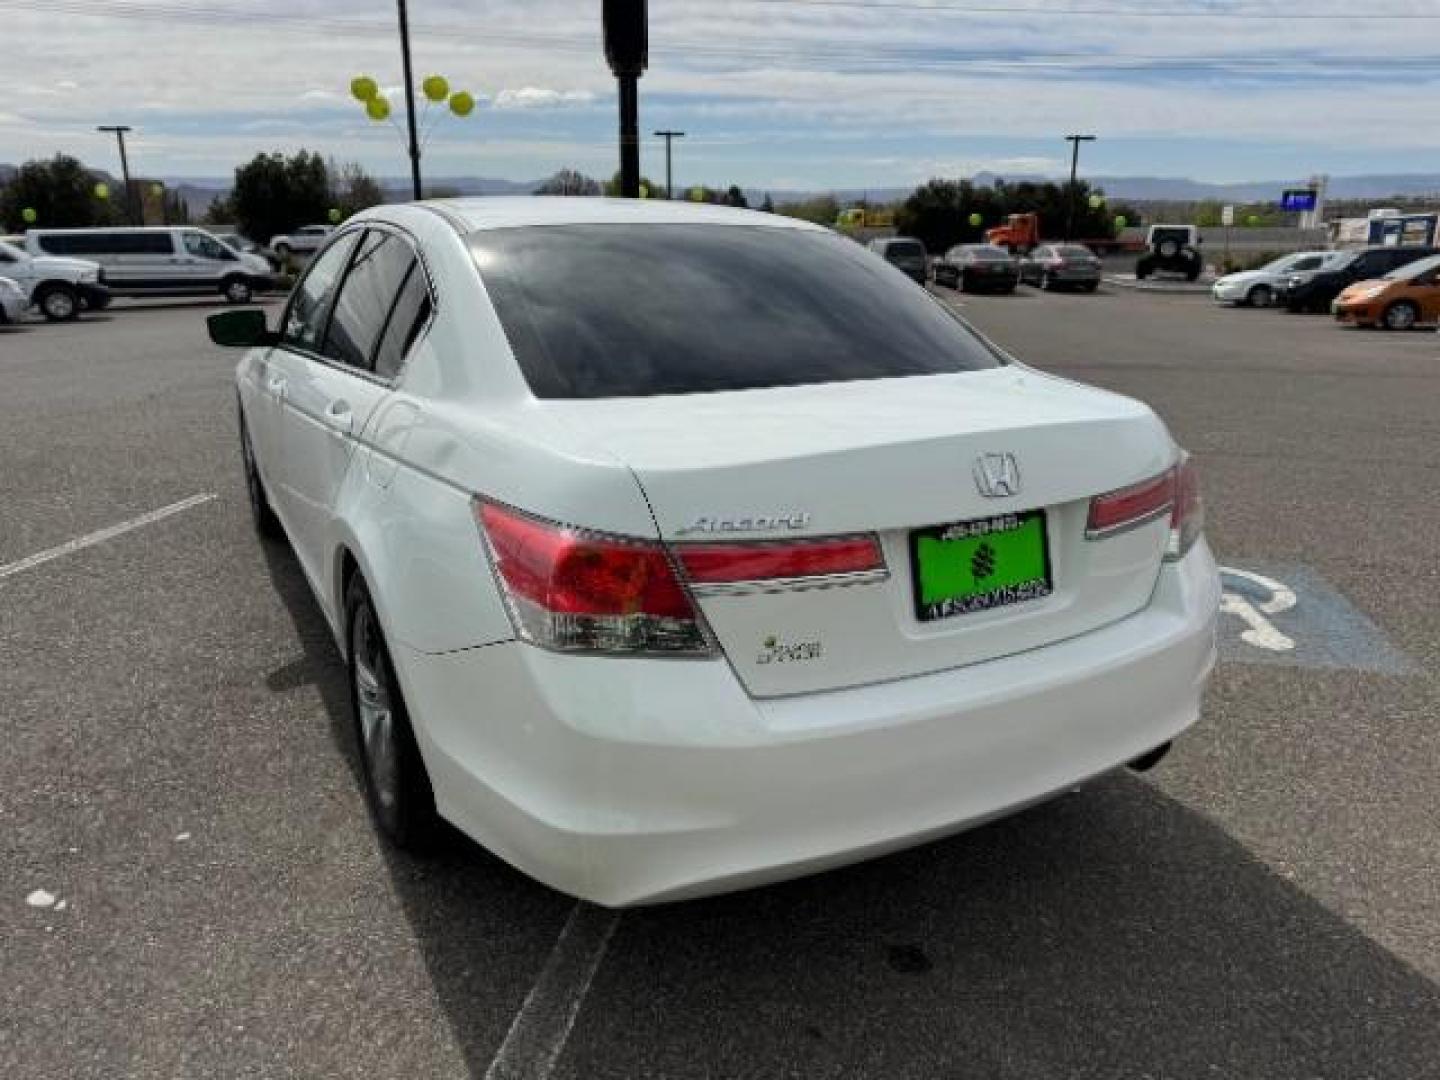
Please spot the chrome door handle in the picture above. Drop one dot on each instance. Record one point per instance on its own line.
(339, 416)
(276, 386)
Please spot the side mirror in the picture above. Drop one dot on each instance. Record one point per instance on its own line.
(243, 329)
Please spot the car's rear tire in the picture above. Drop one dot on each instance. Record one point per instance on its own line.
(1261, 296)
(1092, 286)
(397, 787)
(59, 303)
(1144, 267)
(261, 513)
(1401, 315)
(236, 290)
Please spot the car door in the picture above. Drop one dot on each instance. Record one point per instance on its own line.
(302, 331)
(332, 393)
(204, 260)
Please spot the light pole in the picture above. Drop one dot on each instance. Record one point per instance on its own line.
(627, 49)
(1075, 141)
(119, 131)
(669, 136)
(410, 102)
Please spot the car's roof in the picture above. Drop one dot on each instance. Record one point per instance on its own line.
(504, 212)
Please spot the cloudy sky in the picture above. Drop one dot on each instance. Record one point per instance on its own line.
(772, 93)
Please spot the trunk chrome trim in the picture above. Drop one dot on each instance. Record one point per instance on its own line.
(783, 585)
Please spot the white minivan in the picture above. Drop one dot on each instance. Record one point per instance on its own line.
(160, 261)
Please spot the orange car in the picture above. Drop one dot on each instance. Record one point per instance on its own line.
(1397, 301)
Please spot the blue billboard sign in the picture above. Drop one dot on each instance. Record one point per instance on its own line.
(1298, 199)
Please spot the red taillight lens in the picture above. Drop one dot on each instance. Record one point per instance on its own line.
(575, 591)
(730, 564)
(1131, 506)
(1187, 519)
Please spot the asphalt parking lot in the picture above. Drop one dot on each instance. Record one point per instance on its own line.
(192, 887)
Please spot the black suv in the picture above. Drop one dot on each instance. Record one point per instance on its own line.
(1313, 291)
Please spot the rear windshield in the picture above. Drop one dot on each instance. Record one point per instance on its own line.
(595, 311)
(1074, 251)
(905, 247)
(986, 251)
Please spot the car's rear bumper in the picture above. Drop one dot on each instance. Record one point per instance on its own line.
(629, 781)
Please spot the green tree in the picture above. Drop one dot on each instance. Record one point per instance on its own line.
(569, 182)
(735, 197)
(221, 211)
(274, 194)
(61, 191)
(821, 209)
(612, 186)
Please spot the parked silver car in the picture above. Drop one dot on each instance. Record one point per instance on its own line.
(1061, 266)
(1261, 287)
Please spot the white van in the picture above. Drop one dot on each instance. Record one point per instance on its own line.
(160, 261)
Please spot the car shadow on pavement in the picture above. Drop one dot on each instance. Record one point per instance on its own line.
(1113, 933)
(483, 928)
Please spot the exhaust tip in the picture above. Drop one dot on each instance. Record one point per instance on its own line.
(1146, 762)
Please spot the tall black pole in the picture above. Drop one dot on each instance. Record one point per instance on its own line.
(1075, 141)
(410, 102)
(669, 137)
(119, 131)
(629, 137)
(627, 49)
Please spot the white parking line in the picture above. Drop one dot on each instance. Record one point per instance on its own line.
(102, 535)
(538, 1033)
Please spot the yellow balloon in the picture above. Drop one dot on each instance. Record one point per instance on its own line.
(644, 191)
(363, 88)
(462, 103)
(29, 216)
(1120, 221)
(1097, 201)
(436, 88)
(102, 191)
(377, 108)
(697, 194)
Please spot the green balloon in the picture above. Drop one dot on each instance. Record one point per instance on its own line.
(363, 88)
(377, 108)
(335, 215)
(1120, 221)
(102, 191)
(644, 191)
(462, 103)
(29, 216)
(1252, 220)
(157, 190)
(976, 221)
(697, 194)
(436, 88)
(1097, 201)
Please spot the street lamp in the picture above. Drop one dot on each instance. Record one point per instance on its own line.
(119, 131)
(669, 136)
(1075, 141)
(627, 48)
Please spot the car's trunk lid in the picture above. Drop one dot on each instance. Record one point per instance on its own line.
(888, 457)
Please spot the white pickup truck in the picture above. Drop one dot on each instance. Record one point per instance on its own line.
(59, 287)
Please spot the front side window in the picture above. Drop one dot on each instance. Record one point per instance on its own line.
(202, 246)
(380, 267)
(595, 311)
(310, 306)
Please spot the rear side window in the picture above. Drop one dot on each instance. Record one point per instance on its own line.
(379, 269)
(407, 320)
(310, 306)
(1310, 262)
(594, 311)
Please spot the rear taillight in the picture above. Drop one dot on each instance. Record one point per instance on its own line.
(1187, 519)
(1174, 493)
(575, 591)
(1129, 507)
(792, 562)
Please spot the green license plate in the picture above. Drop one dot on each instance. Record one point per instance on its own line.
(974, 566)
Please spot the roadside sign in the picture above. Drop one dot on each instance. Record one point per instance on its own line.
(1227, 215)
(1299, 199)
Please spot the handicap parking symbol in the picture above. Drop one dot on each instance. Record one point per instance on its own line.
(1287, 614)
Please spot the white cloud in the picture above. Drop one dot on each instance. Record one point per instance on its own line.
(542, 97)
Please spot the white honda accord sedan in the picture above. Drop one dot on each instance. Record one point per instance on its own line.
(675, 549)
